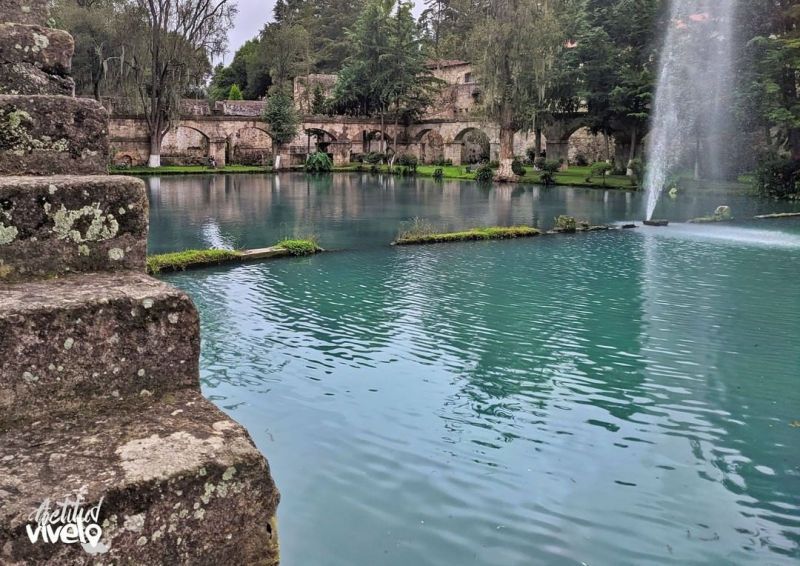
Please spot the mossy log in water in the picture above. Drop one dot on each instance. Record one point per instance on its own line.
(492, 233)
(179, 261)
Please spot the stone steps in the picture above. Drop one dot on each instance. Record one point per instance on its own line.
(181, 484)
(35, 60)
(52, 135)
(34, 12)
(45, 48)
(56, 225)
(99, 363)
(88, 341)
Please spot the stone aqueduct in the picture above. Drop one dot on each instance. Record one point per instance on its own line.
(234, 133)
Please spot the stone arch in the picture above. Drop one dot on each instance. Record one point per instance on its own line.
(557, 136)
(372, 140)
(184, 145)
(318, 139)
(475, 145)
(250, 145)
(431, 145)
(584, 147)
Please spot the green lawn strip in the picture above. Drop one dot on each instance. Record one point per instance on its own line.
(575, 176)
(491, 233)
(188, 170)
(179, 261)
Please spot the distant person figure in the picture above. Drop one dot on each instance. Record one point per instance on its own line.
(212, 162)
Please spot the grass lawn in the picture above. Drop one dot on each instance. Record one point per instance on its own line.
(573, 176)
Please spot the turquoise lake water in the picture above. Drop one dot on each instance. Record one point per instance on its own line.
(629, 397)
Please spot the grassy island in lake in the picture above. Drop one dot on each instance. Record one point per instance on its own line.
(179, 261)
(417, 236)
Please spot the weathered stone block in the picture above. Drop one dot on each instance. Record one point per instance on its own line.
(180, 484)
(44, 135)
(25, 78)
(46, 48)
(85, 342)
(56, 225)
(25, 11)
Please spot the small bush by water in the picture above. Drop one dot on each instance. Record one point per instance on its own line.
(319, 162)
(778, 177)
(299, 247)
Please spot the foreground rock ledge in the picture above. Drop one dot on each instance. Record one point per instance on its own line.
(74, 344)
(181, 483)
(56, 225)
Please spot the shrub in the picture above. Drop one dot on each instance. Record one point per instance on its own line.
(443, 162)
(549, 168)
(566, 223)
(299, 247)
(517, 168)
(494, 164)
(600, 169)
(416, 228)
(484, 174)
(637, 169)
(408, 161)
(581, 161)
(319, 162)
(777, 176)
(438, 174)
(374, 157)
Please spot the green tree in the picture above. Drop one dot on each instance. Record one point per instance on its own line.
(234, 93)
(98, 44)
(774, 78)
(618, 56)
(248, 69)
(515, 49)
(280, 115)
(386, 69)
(172, 42)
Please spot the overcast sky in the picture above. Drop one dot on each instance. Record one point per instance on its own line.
(252, 16)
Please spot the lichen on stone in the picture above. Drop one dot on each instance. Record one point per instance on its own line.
(7, 234)
(101, 227)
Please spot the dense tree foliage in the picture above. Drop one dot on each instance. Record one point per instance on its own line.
(387, 67)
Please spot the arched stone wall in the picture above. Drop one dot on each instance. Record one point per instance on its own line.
(184, 144)
(250, 146)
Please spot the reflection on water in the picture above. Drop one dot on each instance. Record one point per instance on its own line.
(610, 398)
(361, 211)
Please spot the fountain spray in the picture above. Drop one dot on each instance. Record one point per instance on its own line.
(692, 109)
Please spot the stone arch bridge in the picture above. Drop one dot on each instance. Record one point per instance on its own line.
(246, 139)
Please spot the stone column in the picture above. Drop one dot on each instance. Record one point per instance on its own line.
(217, 150)
(452, 151)
(341, 152)
(99, 378)
(494, 151)
(558, 149)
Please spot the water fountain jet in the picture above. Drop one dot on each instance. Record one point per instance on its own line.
(691, 104)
